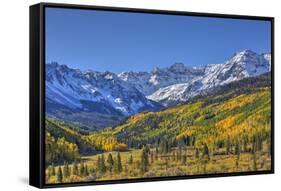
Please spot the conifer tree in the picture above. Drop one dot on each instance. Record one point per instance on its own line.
(184, 159)
(99, 164)
(228, 146)
(179, 154)
(237, 163)
(68, 169)
(53, 171)
(156, 150)
(245, 142)
(166, 164)
(130, 160)
(164, 146)
(206, 151)
(168, 146)
(237, 150)
(59, 175)
(75, 168)
(86, 171)
(82, 169)
(144, 161)
(196, 153)
(66, 172)
(118, 164)
(253, 149)
(102, 167)
(269, 148)
(259, 142)
(151, 158)
(110, 162)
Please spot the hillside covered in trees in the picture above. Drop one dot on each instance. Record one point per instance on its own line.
(227, 129)
(235, 112)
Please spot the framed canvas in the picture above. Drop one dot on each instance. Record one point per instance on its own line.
(123, 95)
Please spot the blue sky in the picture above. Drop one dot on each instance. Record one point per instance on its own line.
(118, 41)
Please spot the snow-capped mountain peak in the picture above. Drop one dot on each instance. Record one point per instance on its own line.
(241, 65)
(130, 92)
(81, 90)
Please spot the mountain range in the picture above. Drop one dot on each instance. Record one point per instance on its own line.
(106, 98)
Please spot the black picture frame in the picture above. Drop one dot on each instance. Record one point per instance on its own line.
(37, 93)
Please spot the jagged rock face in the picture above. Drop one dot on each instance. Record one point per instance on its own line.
(128, 93)
(149, 82)
(101, 92)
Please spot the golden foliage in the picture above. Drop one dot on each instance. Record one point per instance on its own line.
(105, 142)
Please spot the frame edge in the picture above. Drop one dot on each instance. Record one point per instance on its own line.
(35, 178)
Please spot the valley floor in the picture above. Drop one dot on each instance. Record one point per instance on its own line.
(186, 161)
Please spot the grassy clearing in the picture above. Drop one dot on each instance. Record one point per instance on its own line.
(169, 165)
